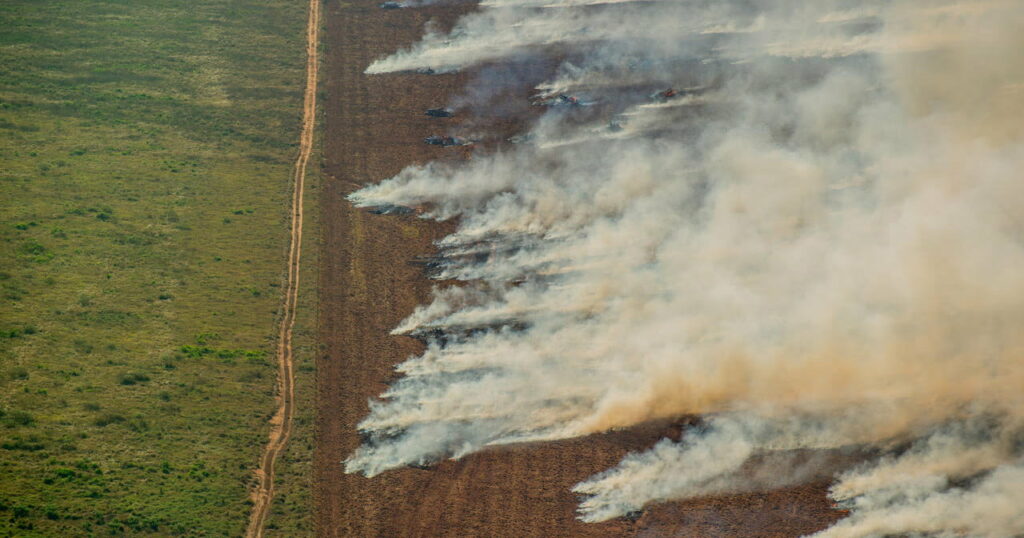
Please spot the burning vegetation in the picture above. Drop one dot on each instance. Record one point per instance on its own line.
(801, 221)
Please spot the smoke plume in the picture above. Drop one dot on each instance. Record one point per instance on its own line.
(816, 240)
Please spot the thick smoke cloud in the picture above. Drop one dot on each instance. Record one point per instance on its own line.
(817, 242)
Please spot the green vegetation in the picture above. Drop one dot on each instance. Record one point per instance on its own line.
(291, 513)
(145, 154)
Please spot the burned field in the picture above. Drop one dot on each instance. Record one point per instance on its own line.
(700, 269)
(374, 273)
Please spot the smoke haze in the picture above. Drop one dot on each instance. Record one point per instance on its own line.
(817, 242)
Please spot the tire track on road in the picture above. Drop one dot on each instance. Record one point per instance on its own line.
(281, 424)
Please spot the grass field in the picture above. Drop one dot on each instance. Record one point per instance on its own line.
(291, 512)
(145, 154)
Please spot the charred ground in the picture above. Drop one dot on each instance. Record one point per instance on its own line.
(370, 280)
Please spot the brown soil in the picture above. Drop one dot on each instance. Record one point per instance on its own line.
(374, 127)
(281, 423)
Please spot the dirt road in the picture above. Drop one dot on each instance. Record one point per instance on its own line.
(374, 127)
(281, 423)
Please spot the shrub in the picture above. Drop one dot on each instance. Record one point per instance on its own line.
(35, 251)
(107, 419)
(205, 338)
(251, 376)
(18, 418)
(138, 425)
(30, 445)
(131, 379)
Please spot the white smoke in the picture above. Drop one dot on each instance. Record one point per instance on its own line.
(818, 243)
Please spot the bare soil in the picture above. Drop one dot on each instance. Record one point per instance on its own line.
(374, 127)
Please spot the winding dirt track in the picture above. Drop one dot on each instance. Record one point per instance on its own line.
(281, 423)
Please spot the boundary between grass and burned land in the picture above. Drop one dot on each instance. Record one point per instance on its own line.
(281, 423)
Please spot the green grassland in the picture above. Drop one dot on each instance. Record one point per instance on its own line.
(145, 155)
(291, 511)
